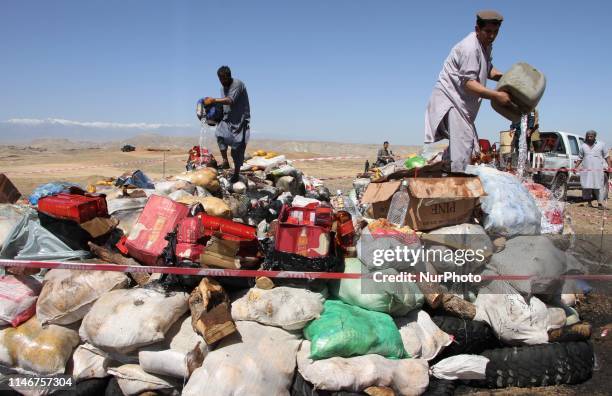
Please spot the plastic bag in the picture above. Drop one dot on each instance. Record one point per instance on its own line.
(260, 361)
(421, 337)
(461, 367)
(9, 216)
(28, 240)
(374, 238)
(395, 298)
(50, 189)
(552, 210)
(516, 320)
(89, 362)
(205, 177)
(124, 320)
(67, 295)
(508, 206)
(405, 376)
(344, 330)
(466, 237)
(533, 256)
(30, 348)
(18, 296)
(286, 307)
(136, 179)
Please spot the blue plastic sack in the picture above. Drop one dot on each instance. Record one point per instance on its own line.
(137, 179)
(509, 208)
(52, 188)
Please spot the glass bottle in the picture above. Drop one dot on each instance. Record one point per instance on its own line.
(399, 205)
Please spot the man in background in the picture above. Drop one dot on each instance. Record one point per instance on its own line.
(455, 100)
(595, 160)
(234, 130)
(384, 155)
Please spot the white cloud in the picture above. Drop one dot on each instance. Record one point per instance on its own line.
(91, 124)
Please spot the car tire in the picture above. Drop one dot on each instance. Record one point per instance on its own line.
(440, 387)
(558, 187)
(470, 336)
(538, 365)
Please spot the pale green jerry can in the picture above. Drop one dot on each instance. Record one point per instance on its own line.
(526, 85)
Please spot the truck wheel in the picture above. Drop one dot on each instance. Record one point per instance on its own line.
(538, 365)
(559, 186)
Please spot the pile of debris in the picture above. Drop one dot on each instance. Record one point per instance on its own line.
(290, 333)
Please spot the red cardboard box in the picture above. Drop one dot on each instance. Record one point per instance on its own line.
(189, 251)
(79, 208)
(305, 239)
(160, 216)
(190, 230)
(8, 191)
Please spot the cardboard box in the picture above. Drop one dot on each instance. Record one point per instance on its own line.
(147, 240)
(434, 202)
(8, 191)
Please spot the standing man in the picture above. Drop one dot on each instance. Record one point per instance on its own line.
(461, 85)
(594, 156)
(233, 131)
(384, 155)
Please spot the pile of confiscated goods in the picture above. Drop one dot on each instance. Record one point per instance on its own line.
(131, 333)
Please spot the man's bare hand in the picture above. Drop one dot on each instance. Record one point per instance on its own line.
(209, 101)
(503, 99)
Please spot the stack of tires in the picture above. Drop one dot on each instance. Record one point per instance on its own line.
(548, 364)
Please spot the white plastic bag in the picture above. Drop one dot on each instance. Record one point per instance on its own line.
(124, 320)
(287, 307)
(133, 380)
(261, 361)
(421, 337)
(461, 367)
(516, 320)
(67, 295)
(405, 376)
(18, 296)
(508, 206)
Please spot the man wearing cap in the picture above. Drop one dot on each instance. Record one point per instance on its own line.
(595, 160)
(461, 85)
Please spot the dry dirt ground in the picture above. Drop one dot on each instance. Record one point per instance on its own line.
(30, 166)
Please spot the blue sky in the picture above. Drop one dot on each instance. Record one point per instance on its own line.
(335, 70)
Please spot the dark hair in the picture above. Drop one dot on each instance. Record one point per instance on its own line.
(224, 71)
(483, 22)
(385, 142)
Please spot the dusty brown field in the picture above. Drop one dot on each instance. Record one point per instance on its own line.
(52, 160)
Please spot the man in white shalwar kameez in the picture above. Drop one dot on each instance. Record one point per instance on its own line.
(595, 160)
(455, 100)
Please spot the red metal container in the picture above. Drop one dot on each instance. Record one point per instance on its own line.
(227, 227)
(79, 208)
(160, 216)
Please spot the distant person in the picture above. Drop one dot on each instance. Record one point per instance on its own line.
(455, 100)
(234, 130)
(533, 132)
(384, 156)
(595, 160)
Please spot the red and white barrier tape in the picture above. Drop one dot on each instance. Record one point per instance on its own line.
(326, 158)
(244, 273)
(110, 165)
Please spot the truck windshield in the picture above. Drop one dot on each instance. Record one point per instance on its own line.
(549, 142)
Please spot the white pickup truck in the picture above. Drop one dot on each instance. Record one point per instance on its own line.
(553, 160)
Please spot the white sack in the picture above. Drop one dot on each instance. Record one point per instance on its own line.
(259, 362)
(286, 307)
(124, 320)
(405, 376)
(89, 362)
(18, 296)
(133, 380)
(67, 295)
(421, 337)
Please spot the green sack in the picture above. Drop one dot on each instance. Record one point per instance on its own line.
(395, 298)
(415, 162)
(344, 330)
